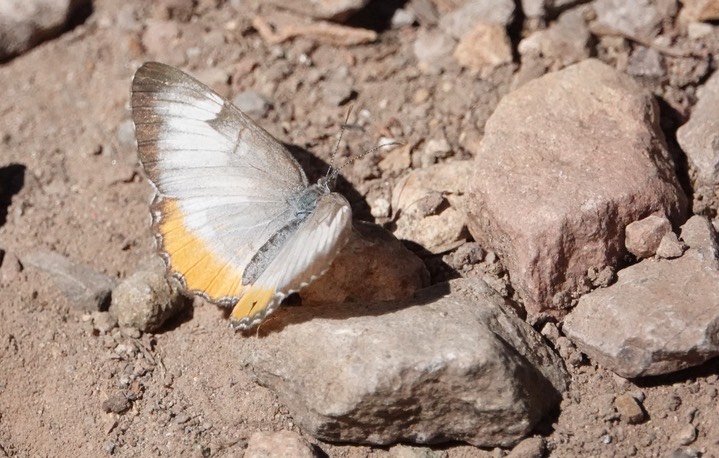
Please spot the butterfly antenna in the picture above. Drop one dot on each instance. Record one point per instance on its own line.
(332, 171)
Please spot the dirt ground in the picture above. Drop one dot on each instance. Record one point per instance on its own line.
(72, 184)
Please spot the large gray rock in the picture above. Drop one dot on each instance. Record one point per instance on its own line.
(85, 288)
(699, 138)
(25, 23)
(566, 162)
(453, 364)
(660, 316)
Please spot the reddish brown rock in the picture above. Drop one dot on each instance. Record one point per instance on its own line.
(567, 161)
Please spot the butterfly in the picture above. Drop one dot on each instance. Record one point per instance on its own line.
(234, 216)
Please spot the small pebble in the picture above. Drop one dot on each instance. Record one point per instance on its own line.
(116, 403)
(380, 208)
(629, 409)
(686, 435)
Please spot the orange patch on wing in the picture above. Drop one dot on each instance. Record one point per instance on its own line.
(202, 269)
(254, 300)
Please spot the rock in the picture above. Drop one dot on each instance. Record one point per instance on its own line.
(10, 267)
(103, 322)
(699, 138)
(546, 194)
(403, 18)
(699, 11)
(630, 411)
(26, 23)
(178, 10)
(685, 435)
(698, 233)
(337, 91)
(381, 208)
(670, 247)
(430, 204)
(160, 40)
(334, 10)
(433, 49)
(434, 150)
(278, 444)
(484, 48)
(659, 317)
(639, 18)
(86, 289)
(147, 299)
(534, 8)
(565, 42)
(531, 447)
(453, 364)
(461, 21)
(646, 63)
(397, 160)
(405, 451)
(388, 270)
(642, 238)
(699, 30)
(252, 104)
(116, 403)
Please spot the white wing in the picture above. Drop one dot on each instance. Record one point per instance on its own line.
(306, 255)
(223, 182)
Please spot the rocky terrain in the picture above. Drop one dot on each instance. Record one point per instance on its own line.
(534, 269)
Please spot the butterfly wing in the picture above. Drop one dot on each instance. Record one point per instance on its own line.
(306, 255)
(223, 183)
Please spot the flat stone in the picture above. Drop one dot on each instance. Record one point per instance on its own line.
(85, 288)
(26, 23)
(659, 317)
(699, 138)
(278, 444)
(454, 363)
(546, 194)
(642, 238)
(147, 299)
(388, 270)
(431, 206)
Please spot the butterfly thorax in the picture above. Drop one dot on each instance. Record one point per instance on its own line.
(305, 203)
